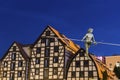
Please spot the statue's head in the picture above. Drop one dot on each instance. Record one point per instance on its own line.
(90, 30)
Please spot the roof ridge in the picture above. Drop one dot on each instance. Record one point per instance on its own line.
(69, 43)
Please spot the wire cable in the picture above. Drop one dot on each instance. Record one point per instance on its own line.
(79, 40)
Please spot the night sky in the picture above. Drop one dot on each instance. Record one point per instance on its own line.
(24, 20)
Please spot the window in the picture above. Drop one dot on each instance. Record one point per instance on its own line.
(13, 56)
(12, 67)
(47, 42)
(46, 74)
(5, 74)
(46, 62)
(55, 59)
(43, 40)
(14, 48)
(90, 74)
(73, 74)
(5, 64)
(47, 52)
(37, 60)
(19, 73)
(20, 63)
(38, 50)
(77, 63)
(52, 39)
(11, 76)
(82, 54)
(37, 70)
(47, 33)
(56, 48)
(86, 63)
(55, 71)
(81, 73)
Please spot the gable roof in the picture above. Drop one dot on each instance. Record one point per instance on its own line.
(69, 43)
(71, 46)
(25, 55)
(101, 67)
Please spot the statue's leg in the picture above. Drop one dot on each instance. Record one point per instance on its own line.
(87, 45)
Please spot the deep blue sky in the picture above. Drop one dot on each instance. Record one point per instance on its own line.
(24, 21)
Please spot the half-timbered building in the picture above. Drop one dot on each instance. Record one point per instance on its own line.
(82, 67)
(14, 64)
(51, 57)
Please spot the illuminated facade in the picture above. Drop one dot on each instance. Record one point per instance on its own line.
(51, 57)
(82, 68)
(14, 64)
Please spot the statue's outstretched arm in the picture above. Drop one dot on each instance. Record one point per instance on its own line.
(83, 38)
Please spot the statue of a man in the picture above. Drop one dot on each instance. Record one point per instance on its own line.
(88, 39)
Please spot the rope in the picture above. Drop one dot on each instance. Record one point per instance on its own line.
(112, 44)
(79, 40)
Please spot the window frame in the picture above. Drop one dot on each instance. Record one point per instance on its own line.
(48, 33)
(5, 74)
(55, 59)
(19, 74)
(81, 74)
(86, 63)
(14, 48)
(37, 61)
(20, 63)
(77, 63)
(12, 67)
(55, 71)
(47, 52)
(90, 74)
(46, 62)
(13, 56)
(73, 74)
(38, 50)
(5, 63)
(56, 48)
(37, 71)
